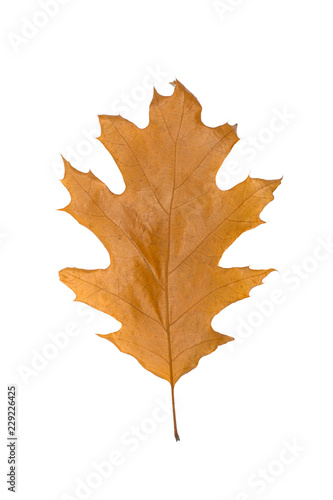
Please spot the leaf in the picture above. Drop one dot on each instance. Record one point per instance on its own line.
(166, 234)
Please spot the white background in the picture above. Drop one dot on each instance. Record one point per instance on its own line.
(243, 403)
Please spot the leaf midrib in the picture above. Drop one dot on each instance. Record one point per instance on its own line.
(169, 246)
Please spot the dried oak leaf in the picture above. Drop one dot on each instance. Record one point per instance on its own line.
(166, 234)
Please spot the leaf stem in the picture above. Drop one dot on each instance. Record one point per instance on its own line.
(174, 414)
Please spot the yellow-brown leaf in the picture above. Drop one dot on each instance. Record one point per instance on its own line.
(166, 234)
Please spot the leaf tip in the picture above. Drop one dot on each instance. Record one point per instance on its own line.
(106, 336)
(235, 129)
(66, 163)
(155, 93)
(61, 209)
